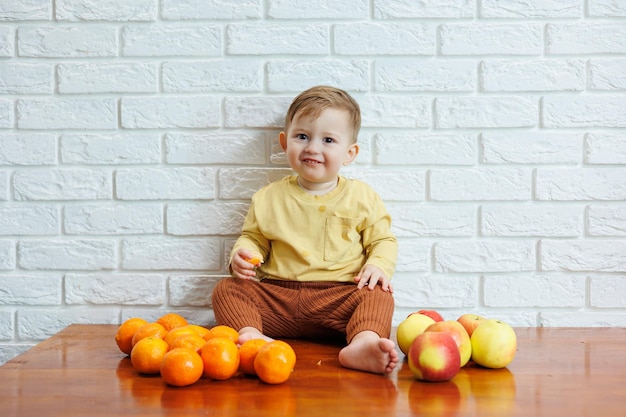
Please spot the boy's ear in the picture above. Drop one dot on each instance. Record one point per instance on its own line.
(353, 151)
(282, 138)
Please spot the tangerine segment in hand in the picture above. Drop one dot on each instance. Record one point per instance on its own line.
(275, 362)
(256, 259)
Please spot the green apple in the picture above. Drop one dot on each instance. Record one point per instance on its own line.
(410, 328)
(434, 356)
(470, 322)
(494, 344)
(459, 335)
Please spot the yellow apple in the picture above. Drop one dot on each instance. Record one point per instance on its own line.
(434, 356)
(410, 328)
(494, 344)
(459, 335)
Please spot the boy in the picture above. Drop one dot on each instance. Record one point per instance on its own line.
(326, 252)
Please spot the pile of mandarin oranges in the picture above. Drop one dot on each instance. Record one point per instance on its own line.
(182, 353)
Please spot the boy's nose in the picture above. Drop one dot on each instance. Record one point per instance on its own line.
(312, 145)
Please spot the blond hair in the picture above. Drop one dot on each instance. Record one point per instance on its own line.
(311, 102)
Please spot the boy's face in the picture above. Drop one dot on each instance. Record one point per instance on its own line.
(317, 148)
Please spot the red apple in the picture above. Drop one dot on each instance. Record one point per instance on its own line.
(494, 344)
(434, 356)
(470, 322)
(410, 328)
(459, 335)
(432, 314)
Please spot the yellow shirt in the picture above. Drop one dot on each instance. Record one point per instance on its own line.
(304, 237)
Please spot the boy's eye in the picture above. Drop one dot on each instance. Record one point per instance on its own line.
(302, 136)
(329, 140)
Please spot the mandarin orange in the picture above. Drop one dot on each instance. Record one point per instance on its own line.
(222, 331)
(181, 367)
(124, 335)
(220, 357)
(247, 353)
(171, 321)
(147, 355)
(274, 362)
(191, 341)
(147, 330)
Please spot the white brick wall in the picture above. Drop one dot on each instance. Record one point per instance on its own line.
(133, 134)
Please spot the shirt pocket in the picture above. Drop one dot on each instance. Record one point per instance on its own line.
(342, 239)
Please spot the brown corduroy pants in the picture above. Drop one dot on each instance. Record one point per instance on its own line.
(290, 309)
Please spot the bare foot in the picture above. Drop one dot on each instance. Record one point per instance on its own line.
(249, 333)
(371, 353)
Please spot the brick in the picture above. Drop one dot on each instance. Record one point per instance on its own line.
(297, 76)
(486, 112)
(263, 112)
(245, 148)
(535, 220)
(67, 113)
(215, 218)
(491, 39)
(384, 39)
(40, 324)
(165, 183)
(19, 78)
(107, 78)
(580, 184)
(7, 42)
(67, 42)
(269, 39)
(318, 9)
(413, 255)
(534, 291)
(25, 10)
(530, 148)
(583, 111)
(166, 253)
(113, 10)
(29, 220)
(444, 292)
(606, 8)
(111, 149)
(171, 40)
(484, 256)
(113, 219)
(26, 289)
(7, 117)
(583, 38)
(533, 75)
(28, 149)
(424, 149)
(7, 255)
(531, 9)
(583, 255)
(607, 74)
(403, 9)
(394, 184)
(581, 319)
(125, 289)
(474, 184)
(212, 76)
(191, 290)
(402, 74)
(605, 148)
(607, 291)
(210, 9)
(378, 111)
(411, 220)
(62, 184)
(77, 254)
(170, 112)
(606, 220)
(7, 328)
(242, 183)
(4, 185)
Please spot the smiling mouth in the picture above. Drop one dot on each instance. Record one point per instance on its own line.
(311, 161)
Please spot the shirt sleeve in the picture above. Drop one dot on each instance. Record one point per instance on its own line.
(381, 246)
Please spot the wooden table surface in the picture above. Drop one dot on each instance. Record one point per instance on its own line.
(556, 372)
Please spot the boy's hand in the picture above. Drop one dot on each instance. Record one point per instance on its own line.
(241, 264)
(370, 276)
